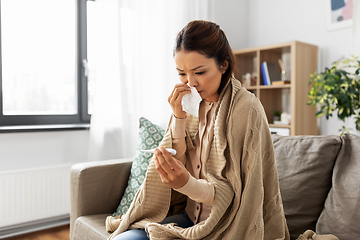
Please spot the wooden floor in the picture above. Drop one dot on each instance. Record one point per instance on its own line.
(59, 233)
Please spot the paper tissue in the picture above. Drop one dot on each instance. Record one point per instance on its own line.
(190, 102)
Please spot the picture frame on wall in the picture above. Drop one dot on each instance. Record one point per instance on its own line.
(339, 14)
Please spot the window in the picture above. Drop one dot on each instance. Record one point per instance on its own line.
(43, 54)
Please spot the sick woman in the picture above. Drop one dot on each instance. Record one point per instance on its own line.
(222, 183)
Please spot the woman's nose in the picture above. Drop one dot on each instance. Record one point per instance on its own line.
(192, 81)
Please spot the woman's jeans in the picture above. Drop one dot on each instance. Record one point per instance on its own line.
(182, 220)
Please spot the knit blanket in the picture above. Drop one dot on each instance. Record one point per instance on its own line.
(239, 162)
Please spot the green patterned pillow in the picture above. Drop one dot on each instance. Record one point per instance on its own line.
(150, 136)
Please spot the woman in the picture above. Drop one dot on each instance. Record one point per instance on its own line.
(222, 183)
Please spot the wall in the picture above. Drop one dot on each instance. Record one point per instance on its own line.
(278, 21)
(232, 16)
(39, 149)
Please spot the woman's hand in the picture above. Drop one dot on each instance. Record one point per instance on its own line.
(172, 172)
(179, 91)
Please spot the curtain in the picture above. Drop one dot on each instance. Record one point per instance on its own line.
(131, 68)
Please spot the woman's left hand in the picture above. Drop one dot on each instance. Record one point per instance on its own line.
(172, 172)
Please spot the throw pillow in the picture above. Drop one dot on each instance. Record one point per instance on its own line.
(150, 136)
(341, 215)
(305, 165)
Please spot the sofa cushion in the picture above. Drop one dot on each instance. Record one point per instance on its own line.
(305, 165)
(150, 136)
(90, 227)
(341, 215)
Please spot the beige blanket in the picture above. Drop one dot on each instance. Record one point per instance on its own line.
(240, 163)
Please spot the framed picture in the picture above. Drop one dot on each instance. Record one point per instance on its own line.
(339, 14)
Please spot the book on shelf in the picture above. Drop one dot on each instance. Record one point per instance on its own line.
(264, 73)
(281, 82)
(270, 72)
(274, 73)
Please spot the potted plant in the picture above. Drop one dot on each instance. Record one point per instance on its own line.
(338, 88)
(277, 115)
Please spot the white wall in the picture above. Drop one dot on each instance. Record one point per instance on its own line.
(232, 16)
(304, 20)
(38, 149)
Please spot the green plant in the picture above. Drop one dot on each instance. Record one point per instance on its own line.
(277, 113)
(277, 116)
(338, 88)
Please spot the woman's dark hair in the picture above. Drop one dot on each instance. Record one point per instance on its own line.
(208, 39)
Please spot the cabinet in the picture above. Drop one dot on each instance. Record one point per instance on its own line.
(299, 60)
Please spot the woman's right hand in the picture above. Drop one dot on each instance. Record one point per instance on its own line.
(179, 91)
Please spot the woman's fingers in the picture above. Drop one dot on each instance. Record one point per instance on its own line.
(172, 171)
(179, 91)
(161, 171)
(163, 163)
(179, 85)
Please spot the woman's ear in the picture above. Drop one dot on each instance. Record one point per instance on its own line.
(224, 66)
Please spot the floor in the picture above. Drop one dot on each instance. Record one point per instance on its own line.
(59, 233)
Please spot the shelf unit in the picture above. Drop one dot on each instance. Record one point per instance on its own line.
(300, 60)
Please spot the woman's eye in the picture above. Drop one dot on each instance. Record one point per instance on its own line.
(181, 74)
(199, 73)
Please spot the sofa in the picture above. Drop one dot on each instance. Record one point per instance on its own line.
(319, 180)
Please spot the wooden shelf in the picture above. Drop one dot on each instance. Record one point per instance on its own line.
(274, 86)
(300, 60)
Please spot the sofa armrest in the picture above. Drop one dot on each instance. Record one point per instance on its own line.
(97, 187)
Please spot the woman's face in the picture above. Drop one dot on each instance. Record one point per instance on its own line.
(200, 72)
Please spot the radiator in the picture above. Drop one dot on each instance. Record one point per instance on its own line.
(33, 195)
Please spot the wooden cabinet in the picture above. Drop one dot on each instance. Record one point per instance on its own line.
(300, 60)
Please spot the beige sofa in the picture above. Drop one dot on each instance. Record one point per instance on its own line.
(319, 183)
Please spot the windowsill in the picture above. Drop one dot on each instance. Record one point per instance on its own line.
(45, 128)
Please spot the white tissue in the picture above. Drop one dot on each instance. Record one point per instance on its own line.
(191, 102)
